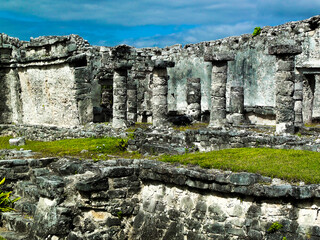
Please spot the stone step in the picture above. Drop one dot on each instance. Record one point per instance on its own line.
(17, 222)
(8, 235)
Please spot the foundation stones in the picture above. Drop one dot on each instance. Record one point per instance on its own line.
(285, 86)
(160, 92)
(218, 87)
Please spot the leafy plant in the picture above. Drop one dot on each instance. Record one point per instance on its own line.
(256, 31)
(119, 214)
(5, 202)
(122, 144)
(274, 227)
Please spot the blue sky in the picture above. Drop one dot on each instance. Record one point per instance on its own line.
(147, 23)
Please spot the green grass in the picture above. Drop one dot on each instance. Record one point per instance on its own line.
(194, 126)
(291, 165)
(97, 148)
(2, 238)
(312, 125)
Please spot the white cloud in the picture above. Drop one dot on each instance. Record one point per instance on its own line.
(195, 35)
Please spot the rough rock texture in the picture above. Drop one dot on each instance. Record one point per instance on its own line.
(142, 199)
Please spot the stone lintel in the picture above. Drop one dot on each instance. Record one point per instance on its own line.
(285, 50)
(163, 64)
(122, 65)
(218, 57)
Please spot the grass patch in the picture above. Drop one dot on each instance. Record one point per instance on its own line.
(312, 125)
(194, 126)
(2, 238)
(96, 148)
(141, 125)
(291, 165)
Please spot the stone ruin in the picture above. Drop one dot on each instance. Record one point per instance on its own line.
(269, 79)
(57, 87)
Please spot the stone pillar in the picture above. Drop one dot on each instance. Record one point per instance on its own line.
(132, 103)
(298, 98)
(285, 81)
(218, 87)
(236, 105)
(120, 95)
(160, 92)
(194, 98)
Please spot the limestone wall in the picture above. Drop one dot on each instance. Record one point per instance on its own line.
(46, 81)
(142, 199)
(253, 67)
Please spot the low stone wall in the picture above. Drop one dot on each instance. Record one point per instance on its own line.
(51, 133)
(144, 199)
(170, 141)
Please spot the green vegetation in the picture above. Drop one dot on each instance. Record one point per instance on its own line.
(6, 203)
(274, 227)
(256, 31)
(119, 214)
(312, 125)
(142, 125)
(95, 148)
(194, 126)
(2, 238)
(291, 165)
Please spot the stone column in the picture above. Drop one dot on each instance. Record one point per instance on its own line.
(298, 98)
(119, 106)
(285, 81)
(218, 87)
(236, 105)
(194, 98)
(160, 92)
(132, 103)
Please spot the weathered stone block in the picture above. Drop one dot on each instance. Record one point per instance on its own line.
(285, 50)
(17, 141)
(217, 57)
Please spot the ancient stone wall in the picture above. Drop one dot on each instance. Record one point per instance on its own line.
(142, 199)
(169, 141)
(46, 81)
(30, 71)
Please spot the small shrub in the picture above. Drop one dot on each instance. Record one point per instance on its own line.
(274, 227)
(5, 202)
(122, 144)
(119, 214)
(256, 31)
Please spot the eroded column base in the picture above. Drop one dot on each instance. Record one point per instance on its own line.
(285, 128)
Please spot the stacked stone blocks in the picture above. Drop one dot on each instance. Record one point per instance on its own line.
(194, 98)
(218, 87)
(285, 86)
(160, 92)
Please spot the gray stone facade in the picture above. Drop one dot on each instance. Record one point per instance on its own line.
(64, 81)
